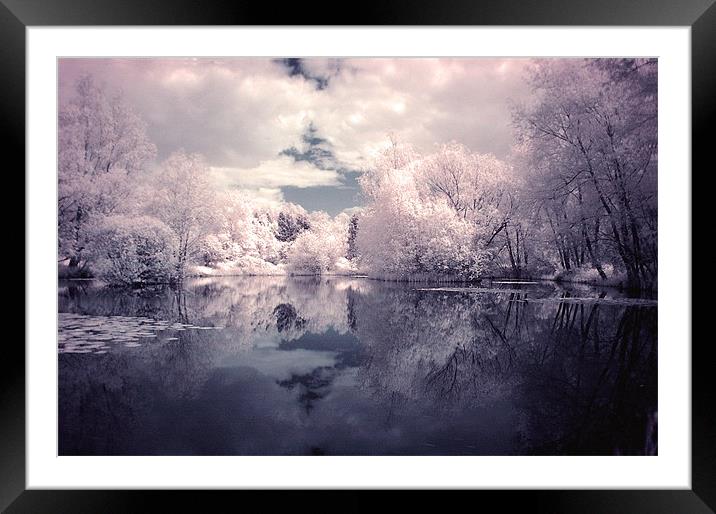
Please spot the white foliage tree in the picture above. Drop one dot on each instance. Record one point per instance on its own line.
(407, 232)
(321, 248)
(101, 143)
(479, 187)
(182, 197)
(590, 142)
(132, 250)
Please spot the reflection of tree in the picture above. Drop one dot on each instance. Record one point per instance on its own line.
(428, 343)
(248, 305)
(103, 399)
(580, 376)
(596, 391)
(286, 317)
(352, 320)
(250, 308)
(313, 386)
(582, 381)
(89, 298)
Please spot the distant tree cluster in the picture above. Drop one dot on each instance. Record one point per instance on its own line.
(577, 198)
(289, 227)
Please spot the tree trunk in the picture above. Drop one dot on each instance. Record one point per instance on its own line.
(515, 270)
(595, 261)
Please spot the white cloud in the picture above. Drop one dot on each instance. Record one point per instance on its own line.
(350, 211)
(241, 113)
(266, 196)
(275, 173)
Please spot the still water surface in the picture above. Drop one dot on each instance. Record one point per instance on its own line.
(351, 366)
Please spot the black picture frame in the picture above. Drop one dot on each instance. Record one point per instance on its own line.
(700, 15)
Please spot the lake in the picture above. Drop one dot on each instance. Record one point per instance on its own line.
(352, 366)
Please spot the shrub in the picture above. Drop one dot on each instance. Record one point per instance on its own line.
(319, 249)
(132, 250)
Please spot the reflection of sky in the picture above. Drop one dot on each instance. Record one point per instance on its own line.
(348, 366)
(280, 364)
(267, 419)
(245, 407)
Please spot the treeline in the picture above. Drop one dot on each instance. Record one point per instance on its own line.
(128, 221)
(575, 200)
(588, 146)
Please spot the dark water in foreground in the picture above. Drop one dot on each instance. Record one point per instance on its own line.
(346, 366)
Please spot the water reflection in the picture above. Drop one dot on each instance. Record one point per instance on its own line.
(329, 365)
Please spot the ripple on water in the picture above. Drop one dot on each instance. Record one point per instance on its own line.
(81, 333)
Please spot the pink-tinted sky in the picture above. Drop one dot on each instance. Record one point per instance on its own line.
(296, 129)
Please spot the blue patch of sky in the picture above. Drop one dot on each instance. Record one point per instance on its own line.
(317, 151)
(332, 199)
(295, 66)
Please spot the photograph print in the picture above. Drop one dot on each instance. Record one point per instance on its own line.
(357, 256)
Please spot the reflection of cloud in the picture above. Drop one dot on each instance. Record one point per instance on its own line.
(371, 367)
(281, 364)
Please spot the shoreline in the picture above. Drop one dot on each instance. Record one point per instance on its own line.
(423, 280)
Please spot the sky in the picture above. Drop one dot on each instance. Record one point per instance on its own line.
(301, 130)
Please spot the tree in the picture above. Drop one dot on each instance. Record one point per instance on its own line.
(590, 139)
(290, 226)
(101, 142)
(319, 249)
(482, 190)
(131, 250)
(183, 198)
(407, 232)
(352, 234)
